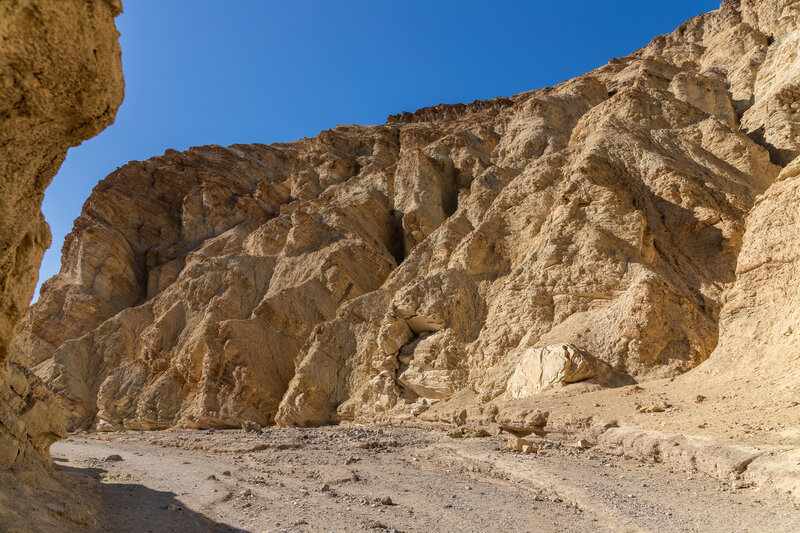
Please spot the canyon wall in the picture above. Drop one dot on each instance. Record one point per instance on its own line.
(588, 233)
(61, 83)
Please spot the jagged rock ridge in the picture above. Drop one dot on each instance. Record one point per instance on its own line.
(582, 233)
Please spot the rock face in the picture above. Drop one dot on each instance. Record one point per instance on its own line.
(492, 250)
(62, 83)
(759, 348)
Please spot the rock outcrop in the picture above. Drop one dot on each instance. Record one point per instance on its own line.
(62, 83)
(759, 348)
(473, 253)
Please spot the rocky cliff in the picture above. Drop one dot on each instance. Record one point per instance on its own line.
(61, 83)
(593, 233)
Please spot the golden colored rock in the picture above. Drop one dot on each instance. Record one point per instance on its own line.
(582, 235)
(62, 84)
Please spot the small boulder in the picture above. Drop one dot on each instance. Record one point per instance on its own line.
(476, 433)
(518, 444)
(659, 408)
(493, 429)
(522, 420)
(456, 433)
(251, 426)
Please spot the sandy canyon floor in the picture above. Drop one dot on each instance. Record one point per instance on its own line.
(352, 478)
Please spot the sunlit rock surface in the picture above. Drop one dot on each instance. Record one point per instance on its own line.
(368, 271)
(61, 83)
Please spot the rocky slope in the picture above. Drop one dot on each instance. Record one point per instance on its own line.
(472, 255)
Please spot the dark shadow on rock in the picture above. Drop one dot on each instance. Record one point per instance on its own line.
(777, 156)
(132, 507)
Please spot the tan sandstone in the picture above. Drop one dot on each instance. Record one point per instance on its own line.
(452, 264)
(61, 83)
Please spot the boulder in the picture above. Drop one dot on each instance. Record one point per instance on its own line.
(542, 368)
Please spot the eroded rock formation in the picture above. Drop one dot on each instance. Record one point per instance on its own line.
(61, 83)
(585, 232)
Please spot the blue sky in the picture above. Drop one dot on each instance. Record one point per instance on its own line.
(222, 72)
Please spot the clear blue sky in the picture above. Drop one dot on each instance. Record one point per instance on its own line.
(222, 72)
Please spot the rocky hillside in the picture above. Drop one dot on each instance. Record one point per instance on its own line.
(62, 83)
(590, 235)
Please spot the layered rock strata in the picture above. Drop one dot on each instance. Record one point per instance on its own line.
(473, 253)
(61, 83)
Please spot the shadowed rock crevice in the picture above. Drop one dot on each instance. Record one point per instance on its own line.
(777, 156)
(396, 244)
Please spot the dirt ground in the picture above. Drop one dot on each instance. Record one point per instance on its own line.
(391, 479)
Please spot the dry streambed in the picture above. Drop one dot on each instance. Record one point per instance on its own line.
(389, 479)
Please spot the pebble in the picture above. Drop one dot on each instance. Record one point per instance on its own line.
(57, 508)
